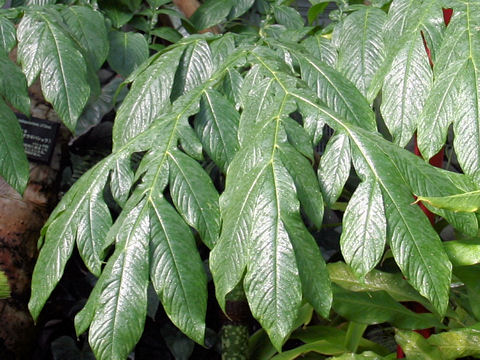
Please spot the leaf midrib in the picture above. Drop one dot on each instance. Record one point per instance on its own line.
(113, 333)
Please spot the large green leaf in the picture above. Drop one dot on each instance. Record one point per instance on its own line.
(88, 27)
(415, 245)
(272, 269)
(8, 37)
(14, 166)
(360, 57)
(451, 99)
(148, 97)
(60, 232)
(177, 271)
(127, 51)
(194, 196)
(149, 236)
(365, 228)
(211, 13)
(408, 80)
(195, 66)
(123, 299)
(45, 48)
(13, 85)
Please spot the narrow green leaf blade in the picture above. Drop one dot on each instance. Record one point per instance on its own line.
(272, 268)
(61, 231)
(360, 57)
(316, 286)
(297, 136)
(195, 196)
(63, 73)
(364, 228)
(405, 90)
(127, 51)
(13, 85)
(217, 125)
(378, 307)
(322, 48)
(306, 183)
(30, 33)
(393, 284)
(337, 92)
(92, 231)
(467, 202)
(228, 258)
(417, 250)
(122, 179)
(196, 65)
(14, 166)
(177, 271)
(334, 167)
(123, 299)
(147, 99)
(84, 317)
(8, 37)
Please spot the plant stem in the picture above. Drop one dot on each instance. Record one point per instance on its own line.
(354, 334)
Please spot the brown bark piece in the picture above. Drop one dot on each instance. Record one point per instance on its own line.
(21, 219)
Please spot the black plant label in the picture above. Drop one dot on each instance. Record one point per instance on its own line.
(38, 138)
